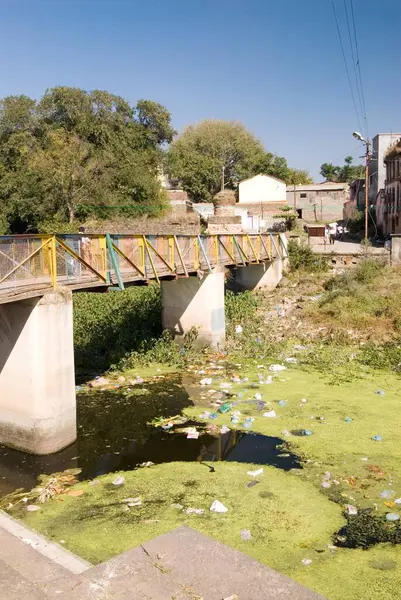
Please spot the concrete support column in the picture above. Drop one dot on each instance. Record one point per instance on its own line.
(284, 246)
(37, 383)
(193, 302)
(395, 249)
(253, 277)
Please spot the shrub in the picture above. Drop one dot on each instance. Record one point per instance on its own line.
(302, 257)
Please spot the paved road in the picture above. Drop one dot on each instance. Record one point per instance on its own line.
(348, 248)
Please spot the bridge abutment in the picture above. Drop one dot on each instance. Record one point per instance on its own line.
(193, 302)
(37, 383)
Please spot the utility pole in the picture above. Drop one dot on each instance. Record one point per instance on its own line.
(367, 160)
(295, 198)
(222, 178)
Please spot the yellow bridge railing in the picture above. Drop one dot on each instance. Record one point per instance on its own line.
(35, 262)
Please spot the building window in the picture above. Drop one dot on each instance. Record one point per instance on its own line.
(303, 195)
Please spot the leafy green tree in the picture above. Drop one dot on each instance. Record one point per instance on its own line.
(200, 155)
(346, 173)
(75, 153)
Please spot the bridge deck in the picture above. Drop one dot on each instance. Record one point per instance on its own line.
(32, 264)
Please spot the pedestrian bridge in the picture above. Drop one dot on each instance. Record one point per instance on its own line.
(32, 264)
(38, 274)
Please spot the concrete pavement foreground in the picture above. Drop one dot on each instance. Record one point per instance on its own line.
(180, 565)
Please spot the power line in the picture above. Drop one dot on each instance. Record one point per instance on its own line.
(345, 64)
(358, 88)
(358, 64)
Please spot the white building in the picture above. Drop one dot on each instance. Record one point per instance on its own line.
(260, 189)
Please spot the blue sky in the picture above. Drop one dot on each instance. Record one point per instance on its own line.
(274, 65)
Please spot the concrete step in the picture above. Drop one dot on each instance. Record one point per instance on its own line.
(15, 587)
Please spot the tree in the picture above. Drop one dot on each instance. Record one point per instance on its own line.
(76, 152)
(203, 152)
(69, 174)
(346, 174)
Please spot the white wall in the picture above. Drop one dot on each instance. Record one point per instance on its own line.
(262, 188)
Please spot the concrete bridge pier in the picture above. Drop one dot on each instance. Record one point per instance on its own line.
(37, 383)
(263, 275)
(195, 302)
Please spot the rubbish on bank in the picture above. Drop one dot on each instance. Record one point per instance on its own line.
(351, 510)
(194, 511)
(392, 517)
(248, 422)
(255, 473)
(291, 360)
(147, 464)
(121, 379)
(32, 508)
(386, 494)
(348, 420)
(75, 493)
(224, 429)
(192, 433)
(277, 368)
(270, 413)
(265, 380)
(239, 329)
(225, 385)
(206, 381)
(177, 506)
(213, 416)
(303, 401)
(258, 396)
(98, 381)
(306, 561)
(94, 482)
(326, 484)
(397, 501)
(234, 420)
(381, 393)
(78, 388)
(307, 432)
(377, 438)
(286, 433)
(300, 348)
(245, 535)
(282, 402)
(120, 480)
(218, 507)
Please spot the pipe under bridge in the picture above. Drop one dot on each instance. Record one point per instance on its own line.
(38, 274)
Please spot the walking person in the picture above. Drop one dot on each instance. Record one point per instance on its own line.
(332, 232)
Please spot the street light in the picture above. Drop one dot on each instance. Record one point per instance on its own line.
(359, 137)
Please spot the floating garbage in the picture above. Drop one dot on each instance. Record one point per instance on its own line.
(234, 420)
(386, 494)
(120, 480)
(225, 385)
(392, 517)
(32, 508)
(326, 484)
(147, 464)
(303, 401)
(381, 393)
(167, 426)
(377, 438)
(255, 473)
(277, 368)
(245, 535)
(265, 380)
(225, 407)
(213, 416)
(177, 506)
(258, 396)
(218, 507)
(351, 510)
(286, 433)
(306, 561)
(282, 402)
(206, 381)
(251, 484)
(270, 413)
(291, 360)
(205, 415)
(348, 420)
(300, 348)
(397, 501)
(194, 511)
(131, 502)
(238, 329)
(307, 432)
(224, 429)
